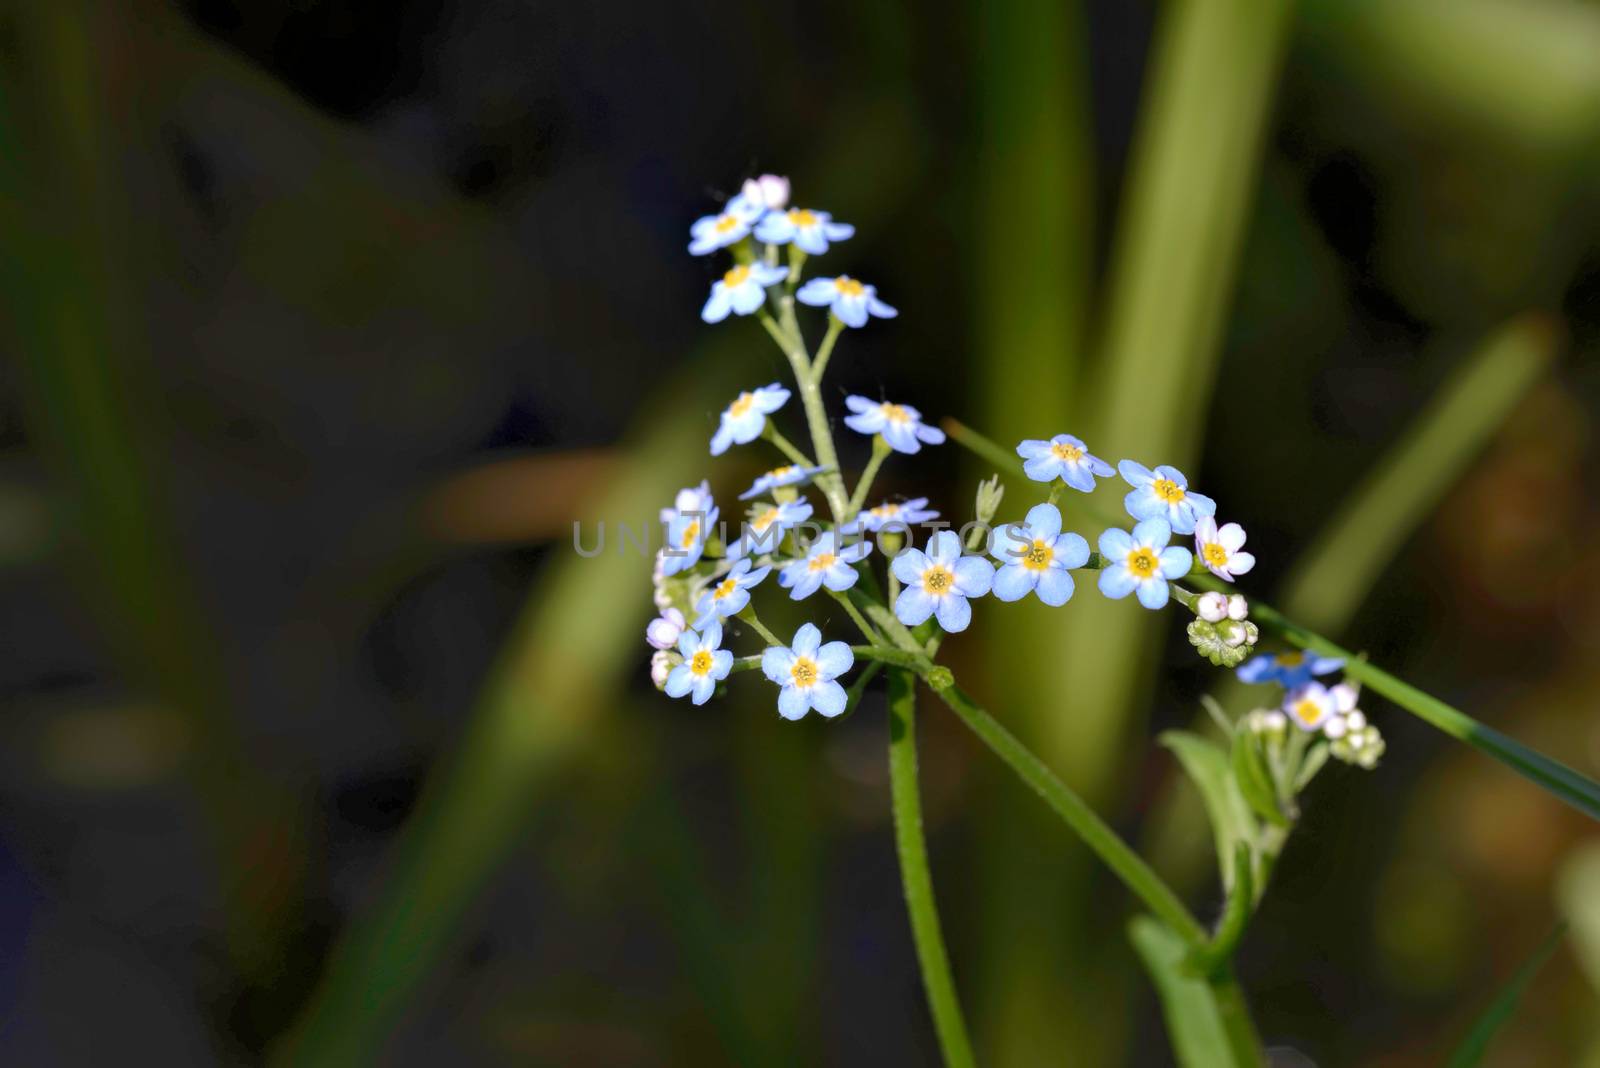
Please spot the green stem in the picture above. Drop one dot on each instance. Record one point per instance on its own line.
(793, 346)
(785, 446)
(1123, 861)
(825, 350)
(880, 452)
(1577, 790)
(861, 623)
(749, 616)
(1243, 1040)
(915, 877)
(1235, 916)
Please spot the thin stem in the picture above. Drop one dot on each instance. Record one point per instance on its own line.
(906, 803)
(1235, 916)
(854, 613)
(1123, 861)
(793, 347)
(825, 350)
(1235, 1014)
(893, 657)
(880, 452)
(749, 616)
(785, 446)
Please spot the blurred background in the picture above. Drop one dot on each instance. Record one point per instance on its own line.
(325, 319)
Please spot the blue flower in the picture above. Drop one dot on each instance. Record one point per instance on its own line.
(825, 564)
(1289, 670)
(733, 224)
(729, 595)
(939, 582)
(850, 300)
(779, 477)
(745, 419)
(806, 672)
(1064, 457)
(704, 664)
(1141, 562)
(809, 230)
(900, 424)
(1036, 556)
(689, 523)
(1164, 492)
(742, 290)
(764, 532)
(907, 514)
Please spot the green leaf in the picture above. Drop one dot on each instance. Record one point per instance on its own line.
(1471, 1051)
(1195, 1022)
(1254, 780)
(1206, 764)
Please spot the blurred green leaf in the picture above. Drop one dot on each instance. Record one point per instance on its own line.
(1255, 782)
(1472, 1050)
(1201, 1036)
(1208, 766)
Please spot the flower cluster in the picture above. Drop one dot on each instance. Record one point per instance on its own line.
(1170, 541)
(1330, 712)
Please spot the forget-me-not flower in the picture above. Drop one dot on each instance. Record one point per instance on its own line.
(1310, 706)
(764, 531)
(806, 672)
(1036, 556)
(900, 424)
(729, 595)
(939, 582)
(1064, 457)
(665, 630)
(742, 290)
(1290, 670)
(1220, 548)
(826, 563)
(778, 477)
(704, 664)
(850, 299)
(891, 513)
(689, 523)
(1142, 562)
(809, 230)
(758, 196)
(1164, 492)
(731, 225)
(745, 419)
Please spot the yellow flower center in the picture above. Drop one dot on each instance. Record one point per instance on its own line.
(1215, 553)
(1291, 659)
(727, 223)
(895, 413)
(937, 579)
(736, 276)
(1168, 490)
(765, 519)
(1307, 711)
(804, 671)
(849, 286)
(781, 472)
(744, 401)
(690, 533)
(801, 217)
(1143, 563)
(700, 663)
(1063, 451)
(1038, 556)
(725, 588)
(886, 511)
(822, 561)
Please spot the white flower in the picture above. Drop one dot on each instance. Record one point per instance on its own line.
(1310, 706)
(1220, 549)
(1213, 607)
(664, 630)
(766, 193)
(660, 668)
(1238, 608)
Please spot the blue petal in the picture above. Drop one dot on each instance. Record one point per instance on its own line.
(852, 311)
(721, 664)
(678, 681)
(776, 663)
(1078, 477)
(834, 659)
(909, 565)
(901, 436)
(1143, 504)
(1152, 533)
(838, 231)
(913, 606)
(944, 547)
(747, 298)
(880, 309)
(974, 576)
(1115, 544)
(812, 240)
(805, 584)
(1153, 593)
(1258, 669)
(1014, 582)
(1031, 447)
(1055, 587)
(1044, 521)
(828, 698)
(1176, 561)
(1117, 582)
(930, 435)
(793, 702)
(704, 687)
(717, 305)
(1136, 474)
(1071, 550)
(819, 292)
(954, 612)
(806, 640)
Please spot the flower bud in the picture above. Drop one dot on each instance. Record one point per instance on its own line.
(661, 666)
(1356, 720)
(1238, 607)
(990, 493)
(769, 191)
(1335, 728)
(664, 630)
(1212, 607)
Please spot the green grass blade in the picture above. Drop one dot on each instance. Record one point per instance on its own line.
(1206, 1031)
(1476, 1044)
